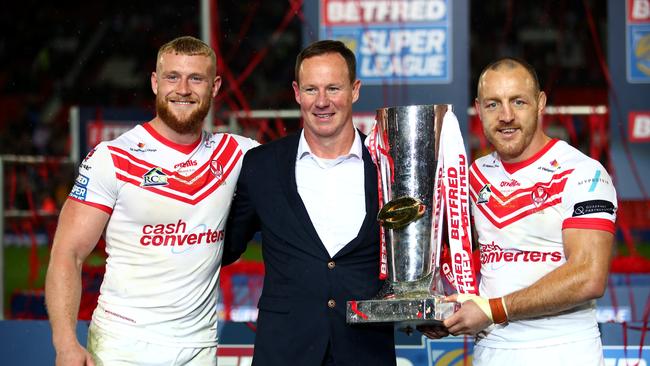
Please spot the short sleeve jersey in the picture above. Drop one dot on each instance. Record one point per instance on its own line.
(519, 213)
(168, 206)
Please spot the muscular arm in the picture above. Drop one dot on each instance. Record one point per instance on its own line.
(78, 231)
(582, 278)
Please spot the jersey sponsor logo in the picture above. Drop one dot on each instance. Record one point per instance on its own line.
(548, 170)
(140, 148)
(492, 253)
(154, 177)
(539, 195)
(80, 189)
(512, 183)
(186, 164)
(593, 206)
(82, 180)
(594, 181)
(484, 194)
(493, 164)
(177, 234)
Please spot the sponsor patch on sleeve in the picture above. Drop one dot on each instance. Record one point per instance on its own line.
(593, 206)
(80, 187)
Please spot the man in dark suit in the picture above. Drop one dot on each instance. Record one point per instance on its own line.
(314, 197)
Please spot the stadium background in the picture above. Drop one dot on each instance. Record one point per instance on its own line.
(63, 62)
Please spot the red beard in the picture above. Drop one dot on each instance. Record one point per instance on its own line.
(190, 124)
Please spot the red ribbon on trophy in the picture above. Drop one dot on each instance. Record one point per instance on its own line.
(379, 150)
(451, 197)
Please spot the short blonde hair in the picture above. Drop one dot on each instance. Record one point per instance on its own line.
(190, 46)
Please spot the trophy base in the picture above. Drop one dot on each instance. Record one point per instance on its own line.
(406, 313)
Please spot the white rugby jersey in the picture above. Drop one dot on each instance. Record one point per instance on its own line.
(168, 204)
(519, 212)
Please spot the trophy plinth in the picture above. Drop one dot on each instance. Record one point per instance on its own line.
(404, 312)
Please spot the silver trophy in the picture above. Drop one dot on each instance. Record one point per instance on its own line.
(404, 144)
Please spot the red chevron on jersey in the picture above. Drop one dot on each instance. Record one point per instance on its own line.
(504, 209)
(189, 189)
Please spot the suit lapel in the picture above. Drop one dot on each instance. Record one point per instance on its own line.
(287, 167)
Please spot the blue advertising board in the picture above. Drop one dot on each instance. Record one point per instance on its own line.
(401, 42)
(409, 52)
(637, 24)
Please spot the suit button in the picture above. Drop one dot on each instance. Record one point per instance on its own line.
(331, 264)
(331, 304)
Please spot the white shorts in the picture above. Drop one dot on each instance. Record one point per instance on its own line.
(586, 352)
(109, 350)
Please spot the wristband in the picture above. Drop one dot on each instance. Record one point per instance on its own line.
(498, 309)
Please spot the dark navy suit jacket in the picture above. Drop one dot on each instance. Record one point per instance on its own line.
(302, 306)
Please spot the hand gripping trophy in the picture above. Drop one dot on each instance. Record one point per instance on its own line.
(422, 171)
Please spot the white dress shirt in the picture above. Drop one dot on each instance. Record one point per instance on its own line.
(333, 192)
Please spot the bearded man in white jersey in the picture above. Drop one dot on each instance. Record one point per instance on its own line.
(160, 194)
(544, 214)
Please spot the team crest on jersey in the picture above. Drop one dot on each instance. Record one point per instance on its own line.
(216, 169)
(539, 195)
(154, 177)
(484, 194)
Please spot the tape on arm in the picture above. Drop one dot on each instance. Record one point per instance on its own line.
(495, 308)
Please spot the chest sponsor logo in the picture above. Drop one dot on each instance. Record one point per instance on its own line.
(177, 234)
(154, 177)
(484, 194)
(492, 253)
(186, 164)
(513, 183)
(539, 195)
(80, 187)
(592, 207)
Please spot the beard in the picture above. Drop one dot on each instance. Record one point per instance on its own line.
(512, 149)
(191, 123)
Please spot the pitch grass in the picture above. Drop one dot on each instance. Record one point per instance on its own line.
(16, 274)
(16, 260)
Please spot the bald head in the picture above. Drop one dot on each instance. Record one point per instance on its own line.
(509, 64)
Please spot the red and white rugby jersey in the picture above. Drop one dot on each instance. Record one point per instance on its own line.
(168, 204)
(519, 212)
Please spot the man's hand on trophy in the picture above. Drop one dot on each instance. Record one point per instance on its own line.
(475, 314)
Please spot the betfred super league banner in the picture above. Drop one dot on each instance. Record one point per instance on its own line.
(395, 41)
(638, 41)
